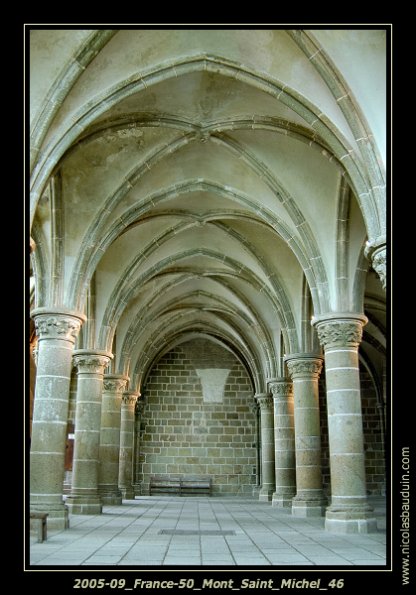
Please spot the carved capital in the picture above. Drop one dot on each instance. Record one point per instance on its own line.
(139, 408)
(91, 362)
(129, 398)
(254, 406)
(114, 383)
(35, 353)
(265, 401)
(379, 264)
(340, 332)
(57, 326)
(304, 367)
(375, 251)
(281, 388)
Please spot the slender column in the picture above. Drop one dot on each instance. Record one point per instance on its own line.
(57, 330)
(284, 441)
(84, 498)
(304, 370)
(125, 477)
(137, 475)
(267, 446)
(109, 453)
(254, 407)
(349, 511)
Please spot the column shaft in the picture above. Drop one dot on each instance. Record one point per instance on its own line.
(57, 331)
(137, 475)
(84, 498)
(267, 446)
(349, 511)
(284, 440)
(125, 478)
(109, 452)
(309, 499)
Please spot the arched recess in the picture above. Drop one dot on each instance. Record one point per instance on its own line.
(198, 415)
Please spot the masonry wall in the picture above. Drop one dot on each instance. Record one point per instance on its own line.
(198, 419)
(373, 436)
(326, 478)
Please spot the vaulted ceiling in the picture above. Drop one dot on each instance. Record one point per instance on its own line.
(215, 183)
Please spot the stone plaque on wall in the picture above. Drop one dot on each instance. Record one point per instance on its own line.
(213, 384)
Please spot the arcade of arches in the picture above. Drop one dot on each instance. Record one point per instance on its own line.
(208, 267)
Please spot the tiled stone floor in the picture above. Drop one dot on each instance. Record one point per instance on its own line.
(175, 531)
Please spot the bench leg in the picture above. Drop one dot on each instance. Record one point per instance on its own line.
(44, 530)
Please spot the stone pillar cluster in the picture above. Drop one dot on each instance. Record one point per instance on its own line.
(103, 470)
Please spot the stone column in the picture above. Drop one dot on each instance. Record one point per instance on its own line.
(267, 446)
(349, 511)
(254, 408)
(84, 498)
(305, 370)
(57, 330)
(139, 408)
(109, 452)
(376, 252)
(284, 442)
(125, 477)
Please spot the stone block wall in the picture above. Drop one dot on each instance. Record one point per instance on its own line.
(326, 478)
(373, 436)
(198, 419)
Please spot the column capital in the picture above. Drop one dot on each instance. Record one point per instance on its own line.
(91, 361)
(115, 382)
(265, 401)
(130, 397)
(304, 365)
(281, 388)
(57, 323)
(254, 406)
(340, 329)
(35, 353)
(139, 406)
(376, 252)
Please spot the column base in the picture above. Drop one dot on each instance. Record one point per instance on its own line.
(308, 508)
(137, 487)
(127, 493)
(309, 504)
(282, 500)
(265, 495)
(256, 491)
(110, 495)
(84, 504)
(350, 521)
(58, 518)
(111, 499)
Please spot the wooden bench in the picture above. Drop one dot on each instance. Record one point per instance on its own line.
(180, 485)
(164, 485)
(40, 517)
(195, 485)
